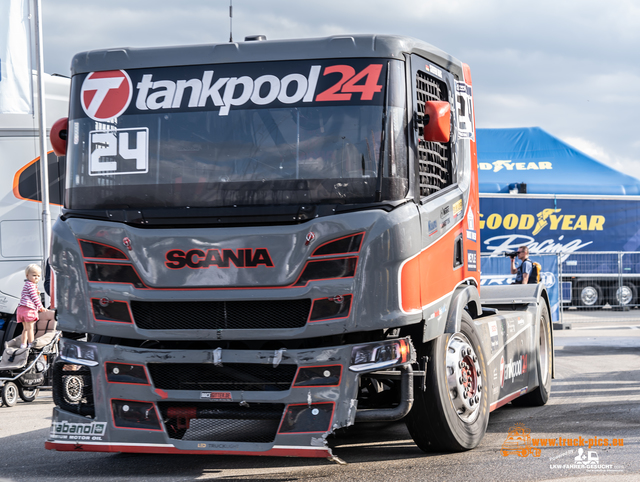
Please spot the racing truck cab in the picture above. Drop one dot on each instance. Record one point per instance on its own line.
(266, 241)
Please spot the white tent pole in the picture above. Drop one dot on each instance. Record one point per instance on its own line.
(44, 165)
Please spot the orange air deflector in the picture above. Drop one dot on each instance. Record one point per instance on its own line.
(437, 121)
(58, 136)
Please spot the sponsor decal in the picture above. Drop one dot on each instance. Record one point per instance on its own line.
(493, 334)
(433, 227)
(434, 70)
(445, 223)
(512, 369)
(106, 95)
(78, 431)
(216, 395)
(119, 151)
(471, 224)
(471, 235)
(221, 258)
(445, 211)
(472, 260)
(464, 97)
(457, 208)
(497, 166)
(438, 313)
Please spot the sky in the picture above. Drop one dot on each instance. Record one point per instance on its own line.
(571, 67)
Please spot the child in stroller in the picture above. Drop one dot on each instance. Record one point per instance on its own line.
(26, 358)
(30, 308)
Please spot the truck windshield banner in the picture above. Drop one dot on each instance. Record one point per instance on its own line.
(558, 225)
(104, 96)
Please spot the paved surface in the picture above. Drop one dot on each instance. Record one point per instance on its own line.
(596, 393)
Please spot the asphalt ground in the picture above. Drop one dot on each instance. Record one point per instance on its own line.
(595, 395)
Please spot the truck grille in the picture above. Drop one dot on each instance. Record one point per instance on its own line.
(219, 315)
(222, 421)
(231, 376)
(435, 157)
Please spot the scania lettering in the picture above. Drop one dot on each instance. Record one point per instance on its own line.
(270, 241)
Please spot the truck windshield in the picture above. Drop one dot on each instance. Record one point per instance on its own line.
(279, 133)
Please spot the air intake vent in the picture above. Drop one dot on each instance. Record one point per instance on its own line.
(435, 157)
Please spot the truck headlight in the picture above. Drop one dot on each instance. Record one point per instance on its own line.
(384, 354)
(79, 354)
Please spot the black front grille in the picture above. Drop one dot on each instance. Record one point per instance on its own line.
(219, 315)
(435, 157)
(222, 421)
(230, 376)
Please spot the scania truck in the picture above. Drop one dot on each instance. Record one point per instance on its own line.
(267, 241)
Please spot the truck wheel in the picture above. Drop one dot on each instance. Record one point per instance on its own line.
(589, 294)
(28, 394)
(625, 295)
(540, 395)
(453, 412)
(9, 394)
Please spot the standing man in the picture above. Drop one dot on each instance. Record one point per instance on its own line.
(523, 271)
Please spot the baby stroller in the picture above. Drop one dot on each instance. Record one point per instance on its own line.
(24, 370)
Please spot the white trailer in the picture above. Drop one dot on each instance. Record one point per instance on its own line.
(20, 192)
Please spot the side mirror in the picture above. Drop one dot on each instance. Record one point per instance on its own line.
(58, 136)
(437, 121)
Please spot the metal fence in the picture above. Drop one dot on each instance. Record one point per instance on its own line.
(596, 286)
(600, 286)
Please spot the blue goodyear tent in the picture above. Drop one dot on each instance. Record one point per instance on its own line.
(545, 164)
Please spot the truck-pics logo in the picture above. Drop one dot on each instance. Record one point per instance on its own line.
(222, 258)
(106, 95)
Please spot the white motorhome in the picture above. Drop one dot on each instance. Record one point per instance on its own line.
(20, 191)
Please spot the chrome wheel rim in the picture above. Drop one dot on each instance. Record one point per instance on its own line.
(464, 378)
(589, 295)
(624, 295)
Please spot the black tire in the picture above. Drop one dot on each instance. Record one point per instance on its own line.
(589, 294)
(9, 394)
(442, 419)
(28, 394)
(540, 395)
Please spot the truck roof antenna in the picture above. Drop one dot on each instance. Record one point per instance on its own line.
(230, 20)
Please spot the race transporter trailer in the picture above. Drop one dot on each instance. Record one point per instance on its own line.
(267, 241)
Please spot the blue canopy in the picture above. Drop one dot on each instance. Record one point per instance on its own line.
(528, 155)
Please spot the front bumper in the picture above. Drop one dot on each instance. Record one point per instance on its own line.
(243, 402)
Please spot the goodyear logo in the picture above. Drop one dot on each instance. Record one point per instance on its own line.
(553, 218)
(508, 165)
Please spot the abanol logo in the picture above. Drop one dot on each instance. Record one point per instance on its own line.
(106, 95)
